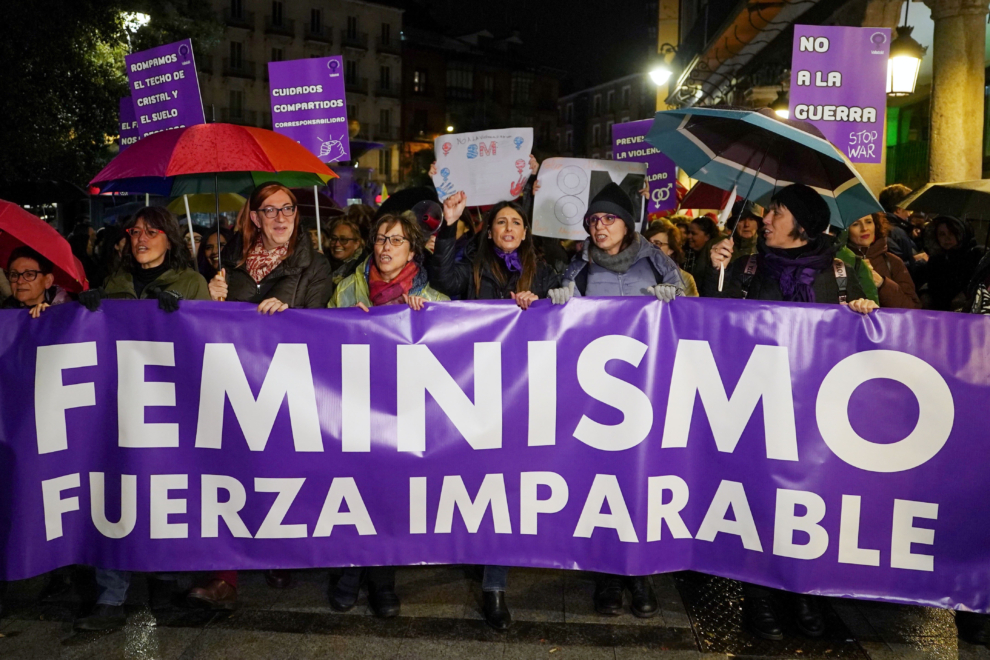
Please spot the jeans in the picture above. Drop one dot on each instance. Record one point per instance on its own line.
(113, 585)
(496, 578)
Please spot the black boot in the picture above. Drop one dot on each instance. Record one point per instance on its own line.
(808, 616)
(644, 599)
(608, 595)
(972, 627)
(760, 619)
(383, 599)
(344, 594)
(104, 617)
(496, 611)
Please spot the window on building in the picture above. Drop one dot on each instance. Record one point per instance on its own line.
(419, 121)
(386, 34)
(315, 20)
(384, 120)
(488, 85)
(350, 72)
(352, 112)
(625, 118)
(626, 97)
(419, 81)
(460, 78)
(236, 54)
(610, 101)
(237, 8)
(596, 155)
(608, 155)
(570, 141)
(597, 105)
(384, 77)
(596, 135)
(522, 87)
(236, 104)
(276, 12)
(352, 27)
(385, 162)
(608, 132)
(277, 55)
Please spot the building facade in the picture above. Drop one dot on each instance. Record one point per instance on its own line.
(585, 118)
(234, 78)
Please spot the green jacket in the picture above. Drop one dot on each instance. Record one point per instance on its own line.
(186, 282)
(354, 288)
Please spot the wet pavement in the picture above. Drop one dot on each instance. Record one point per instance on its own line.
(441, 618)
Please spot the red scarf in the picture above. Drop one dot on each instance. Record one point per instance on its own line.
(260, 262)
(390, 293)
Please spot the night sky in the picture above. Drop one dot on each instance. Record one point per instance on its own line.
(592, 41)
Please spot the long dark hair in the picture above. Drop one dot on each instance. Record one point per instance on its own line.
(157, 217)
(486, 257)
(249, 232)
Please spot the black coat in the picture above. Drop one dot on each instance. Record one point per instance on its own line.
(456, 278)
(302, 280)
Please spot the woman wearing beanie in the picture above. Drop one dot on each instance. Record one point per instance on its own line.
(618, 261)
(794, 262)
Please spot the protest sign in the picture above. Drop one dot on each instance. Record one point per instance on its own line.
(839, 84)
(165, 88)
(309, 105)
(802, 447)
(489, 166)
(629, 144)
(128, 123)
(567, 186)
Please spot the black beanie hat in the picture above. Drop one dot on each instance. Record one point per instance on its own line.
(611, 199)
(807, 206)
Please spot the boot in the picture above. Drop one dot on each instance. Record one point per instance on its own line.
(644, 599)
(760, 619)
(383, 600)
(343, 596)
(808, 616)
(608, 595)
(278, 579)
(104, 617)
(217, 595)
(496, 611)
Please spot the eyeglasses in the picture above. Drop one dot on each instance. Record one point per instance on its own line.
(27, 275)
(604, 220)
(342, 240)
(396, 241)
(136, 232)
(271, 212)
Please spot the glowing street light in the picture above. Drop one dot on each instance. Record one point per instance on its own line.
(660, 75)
(450, 129)
(905, 62)
(781, 105)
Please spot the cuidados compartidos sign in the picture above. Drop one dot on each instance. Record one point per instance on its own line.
(309, 105)
(797, 446)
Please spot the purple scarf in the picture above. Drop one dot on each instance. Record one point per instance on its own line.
(796, 275)
(510, 259)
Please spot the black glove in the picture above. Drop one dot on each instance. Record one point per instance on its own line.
(91, 299)
(168, 301)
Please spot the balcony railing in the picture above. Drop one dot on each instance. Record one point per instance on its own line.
(285, 26)
(239, 116)
(386, 133)
(390, 89)
(318, 33)
(356, 85)
(392, 46)
(242, 19)
(238, 68)
(354, 39)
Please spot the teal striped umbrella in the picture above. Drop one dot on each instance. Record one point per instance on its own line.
(760, 154)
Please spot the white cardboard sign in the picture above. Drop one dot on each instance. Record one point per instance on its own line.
(567, 185)
(489, 166)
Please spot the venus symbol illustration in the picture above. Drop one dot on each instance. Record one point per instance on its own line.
(446, 148)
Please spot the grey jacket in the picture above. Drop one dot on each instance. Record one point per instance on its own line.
(650, 266)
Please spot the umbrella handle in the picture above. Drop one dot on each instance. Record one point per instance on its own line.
(721, 276)
(319, 231)
(192, 240)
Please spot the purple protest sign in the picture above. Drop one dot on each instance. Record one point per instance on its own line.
(165, 88)
(629, 143)
(128, 124)
(309, 105)
(839, 84)
(802, 447)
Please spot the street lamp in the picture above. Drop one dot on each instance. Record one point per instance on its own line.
(450, 129)
(661, 72)
(781, 106)
(905, 62)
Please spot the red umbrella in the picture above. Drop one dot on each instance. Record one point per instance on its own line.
(18, 227)
(705, 196)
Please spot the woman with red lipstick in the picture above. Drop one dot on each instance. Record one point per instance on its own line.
(868, 240)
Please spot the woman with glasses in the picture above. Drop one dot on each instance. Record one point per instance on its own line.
(667, 236)
(617, 261)
(275, 270)
(392, 275)
(32, 283)
(346, 247)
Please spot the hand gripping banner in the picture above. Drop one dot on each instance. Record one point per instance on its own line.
(796, 446)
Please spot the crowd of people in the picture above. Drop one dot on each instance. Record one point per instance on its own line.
(416, 251)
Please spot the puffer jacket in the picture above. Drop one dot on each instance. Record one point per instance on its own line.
(302, 280)
(650, 267)
(456, 278)
(354, 289)
(187, 282)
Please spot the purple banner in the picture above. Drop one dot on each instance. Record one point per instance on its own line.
(309, 105)
(629, 143)
(797, 446)
(128, 124)
(839, 84)
(165, 88)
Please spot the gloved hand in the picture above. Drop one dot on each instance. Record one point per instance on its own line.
(91, 299)
(562, 295)
(168, 301)
(665, 292)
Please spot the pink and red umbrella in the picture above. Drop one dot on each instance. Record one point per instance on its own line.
(20, 228)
